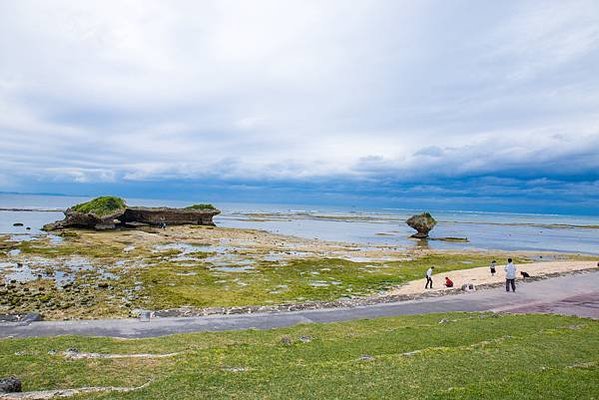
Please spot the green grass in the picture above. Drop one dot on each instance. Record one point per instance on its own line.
(169, 284)
(101, 206)
(470, 356)
(201, 207)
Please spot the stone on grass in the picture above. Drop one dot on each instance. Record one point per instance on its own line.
(286, 341)
(10, 385)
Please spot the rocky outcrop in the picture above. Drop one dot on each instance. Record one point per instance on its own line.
(169, 216)
(77, 219)
(423, 223)
(135, 217)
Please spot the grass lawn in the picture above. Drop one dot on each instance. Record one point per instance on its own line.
(440, 356)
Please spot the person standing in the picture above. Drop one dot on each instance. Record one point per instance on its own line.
(510, 276)
(429, 277)
(493, 265)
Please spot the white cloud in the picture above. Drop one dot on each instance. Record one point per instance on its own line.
(135, 90)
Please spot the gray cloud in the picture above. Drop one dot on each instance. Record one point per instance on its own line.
(102, 92)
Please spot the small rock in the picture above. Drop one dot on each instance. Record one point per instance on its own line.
(286, 341)
(10, 385)
(367, 357)
(70, 352)
(17, 224)
(305, 339)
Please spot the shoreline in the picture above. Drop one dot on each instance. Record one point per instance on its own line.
(201, 270)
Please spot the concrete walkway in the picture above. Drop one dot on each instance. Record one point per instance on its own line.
(571, 295)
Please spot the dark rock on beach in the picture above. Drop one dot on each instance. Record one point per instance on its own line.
(17, 224)
(10, 385)
(422, 223)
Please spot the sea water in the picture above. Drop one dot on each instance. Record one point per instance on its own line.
(484, 230)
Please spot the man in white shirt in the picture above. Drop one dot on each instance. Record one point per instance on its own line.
(429, 277)
(510, 276)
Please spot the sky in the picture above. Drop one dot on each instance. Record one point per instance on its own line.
(452, 104)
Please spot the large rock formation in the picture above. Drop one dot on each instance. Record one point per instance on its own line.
(169, 216)
(423, 223)
(76, 219)
(111, 212)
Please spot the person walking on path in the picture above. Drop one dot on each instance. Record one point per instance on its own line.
(493, 270)
(429, 277)
(510, 276)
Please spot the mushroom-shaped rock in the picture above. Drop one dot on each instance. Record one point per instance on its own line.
(423, 223)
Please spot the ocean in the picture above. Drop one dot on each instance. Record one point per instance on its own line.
(386, 226)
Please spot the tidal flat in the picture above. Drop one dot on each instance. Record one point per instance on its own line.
(81, 274)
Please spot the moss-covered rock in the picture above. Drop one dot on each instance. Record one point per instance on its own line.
(201, 207)
(110, 212)
(101, 206)
(100, 213)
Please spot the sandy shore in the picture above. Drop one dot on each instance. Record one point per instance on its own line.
(482, 275)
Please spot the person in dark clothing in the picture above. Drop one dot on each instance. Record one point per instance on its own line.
(448, 282)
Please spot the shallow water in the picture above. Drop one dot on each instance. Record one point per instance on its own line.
(485, 231)
(62, 272)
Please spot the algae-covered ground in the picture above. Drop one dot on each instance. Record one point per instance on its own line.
(88, 274)
(438, 356)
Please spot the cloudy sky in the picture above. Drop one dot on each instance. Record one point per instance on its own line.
(489, 104)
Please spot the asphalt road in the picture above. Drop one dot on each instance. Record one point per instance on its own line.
(570, 295)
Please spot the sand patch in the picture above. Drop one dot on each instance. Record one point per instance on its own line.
(482, 275)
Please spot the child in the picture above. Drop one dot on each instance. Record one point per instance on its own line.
(493, 264)
(448, 282)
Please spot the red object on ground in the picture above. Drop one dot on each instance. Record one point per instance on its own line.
(448, 282)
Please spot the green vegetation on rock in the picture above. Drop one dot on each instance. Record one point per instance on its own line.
(101, 206)
(201, 207)
(434, 356)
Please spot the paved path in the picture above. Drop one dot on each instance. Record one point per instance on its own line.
(572, 295)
